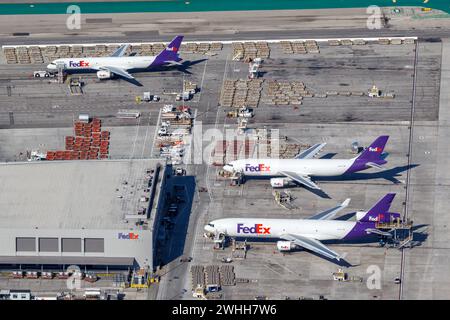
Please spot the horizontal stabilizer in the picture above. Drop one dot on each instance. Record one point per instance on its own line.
(330, 213)
(310, 152)
(174, 63)
(375, 166)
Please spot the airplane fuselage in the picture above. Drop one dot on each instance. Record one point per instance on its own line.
(94, 63)
(275, 228)
(118, 64)
(310, 167)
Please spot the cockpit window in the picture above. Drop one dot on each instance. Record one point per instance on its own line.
(211, 225)
(53, 64)
(229, 164)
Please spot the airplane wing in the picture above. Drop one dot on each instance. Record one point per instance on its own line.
(305, 180)
(312, 245)
(118, 71)
(310, 152)
(330, 213)
(120, 51)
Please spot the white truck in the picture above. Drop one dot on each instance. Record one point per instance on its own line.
(37, 156)
(163, 132)
(168, 108)
(245, 112)
(149, 98)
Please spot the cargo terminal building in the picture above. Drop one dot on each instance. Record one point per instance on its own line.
(94, 214)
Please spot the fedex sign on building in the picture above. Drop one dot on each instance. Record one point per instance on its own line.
(256, 229)
(128, 236)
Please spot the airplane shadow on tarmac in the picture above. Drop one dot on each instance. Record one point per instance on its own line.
(329, 155)
(420, 235)
(389, 174)
(184, 68)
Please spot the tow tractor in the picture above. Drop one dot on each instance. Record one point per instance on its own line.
(43, 74)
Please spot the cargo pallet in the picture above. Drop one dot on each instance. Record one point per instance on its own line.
(88, 143)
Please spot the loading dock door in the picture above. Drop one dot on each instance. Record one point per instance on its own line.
(48, 245)
(26, 244)
(71, 244)
(94, 245)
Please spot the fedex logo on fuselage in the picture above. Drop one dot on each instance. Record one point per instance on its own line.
(377, 218)
(256, 229)
(128, 236)
(258, 168)
(79, 64)
(376, 149)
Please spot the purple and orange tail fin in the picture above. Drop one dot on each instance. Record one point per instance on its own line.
(170, 53)
(374, 151)
(380, 211)
(175, 44)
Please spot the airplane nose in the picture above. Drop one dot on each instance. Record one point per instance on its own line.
(209, 229)
(228, 168)
(51, 67)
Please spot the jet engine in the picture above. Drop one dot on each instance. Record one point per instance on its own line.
(284, 246)
(279, 182)
(104, 74)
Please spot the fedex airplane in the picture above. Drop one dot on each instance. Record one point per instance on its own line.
(303, 166)
(120, 65)
(308, 233)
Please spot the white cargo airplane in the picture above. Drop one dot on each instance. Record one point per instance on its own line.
(307, 233)
(118, 64)
(305, 166)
